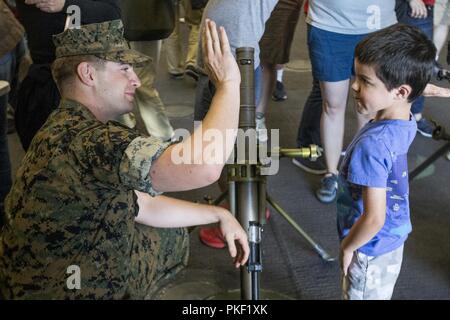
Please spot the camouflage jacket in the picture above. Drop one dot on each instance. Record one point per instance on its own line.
(73, 204)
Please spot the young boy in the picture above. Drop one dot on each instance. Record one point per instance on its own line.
(392, 67)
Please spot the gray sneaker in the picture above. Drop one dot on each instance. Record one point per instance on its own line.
(261, 129)
(314, 167)
(192, 72)
(425, 127)
(176, 76)
(328, 188)
(279, 94)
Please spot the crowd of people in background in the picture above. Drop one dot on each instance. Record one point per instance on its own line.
(334, 31)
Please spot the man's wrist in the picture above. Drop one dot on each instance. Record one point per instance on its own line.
(221, 213)
(228, 85)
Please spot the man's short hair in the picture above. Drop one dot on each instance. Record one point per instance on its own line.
(64, 70)
(399, 54)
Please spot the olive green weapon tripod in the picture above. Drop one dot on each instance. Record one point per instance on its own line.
(246, 181)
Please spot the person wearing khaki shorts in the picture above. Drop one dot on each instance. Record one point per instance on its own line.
(177, 63)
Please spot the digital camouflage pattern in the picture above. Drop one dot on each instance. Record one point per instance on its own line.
(104, 40)
(73, 204)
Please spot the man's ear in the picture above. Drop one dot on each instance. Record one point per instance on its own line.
(403, 92)
(86, 73)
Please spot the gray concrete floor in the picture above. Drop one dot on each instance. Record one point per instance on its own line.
(291, 268)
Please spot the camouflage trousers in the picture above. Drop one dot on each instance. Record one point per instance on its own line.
(158, 255)
(372, 278)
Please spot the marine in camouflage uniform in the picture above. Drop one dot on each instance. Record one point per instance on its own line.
(73, 202)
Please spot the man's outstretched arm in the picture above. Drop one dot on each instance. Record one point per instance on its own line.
(223, 116)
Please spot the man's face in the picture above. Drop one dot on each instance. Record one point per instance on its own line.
(370, 93)
(115, 87)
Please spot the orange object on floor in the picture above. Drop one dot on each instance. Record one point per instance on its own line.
(212, 236)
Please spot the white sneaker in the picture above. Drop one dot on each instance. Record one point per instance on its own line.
(261, 130)
(4, 87)
(448, 156)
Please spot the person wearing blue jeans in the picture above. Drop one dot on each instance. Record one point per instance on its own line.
(8, 67)
(7, 63)
(309, 130)
(11, 48)
(418, 13)
(5, 165)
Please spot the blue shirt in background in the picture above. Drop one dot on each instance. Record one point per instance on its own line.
(377, 157)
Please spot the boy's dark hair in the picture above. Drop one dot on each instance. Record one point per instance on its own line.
(400, 54)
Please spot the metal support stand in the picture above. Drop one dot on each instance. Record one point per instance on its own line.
(318, 248)
(246, 192)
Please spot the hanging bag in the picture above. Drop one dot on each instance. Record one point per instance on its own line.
(198, 4)
(147, 20)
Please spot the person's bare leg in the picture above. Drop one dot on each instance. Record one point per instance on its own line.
(332, 122)
(280, 70)
(440, 33)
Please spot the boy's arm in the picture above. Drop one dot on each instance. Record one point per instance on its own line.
(165, 212)
(367, 226)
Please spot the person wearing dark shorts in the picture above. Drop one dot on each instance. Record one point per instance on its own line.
(275, 47)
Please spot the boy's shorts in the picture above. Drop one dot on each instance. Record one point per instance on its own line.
(275, 44)
(332, 54)
(372, 278)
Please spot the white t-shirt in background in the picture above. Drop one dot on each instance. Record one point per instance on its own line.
(351, 16)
